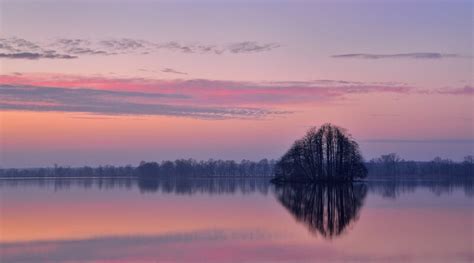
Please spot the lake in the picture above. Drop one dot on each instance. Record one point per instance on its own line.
(234, 220)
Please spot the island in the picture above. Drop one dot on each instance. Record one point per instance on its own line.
(326, 154)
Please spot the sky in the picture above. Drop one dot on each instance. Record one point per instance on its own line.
(117, 82)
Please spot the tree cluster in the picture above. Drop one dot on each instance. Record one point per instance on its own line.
(327, 153)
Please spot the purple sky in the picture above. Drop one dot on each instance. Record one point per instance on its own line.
(109, 82)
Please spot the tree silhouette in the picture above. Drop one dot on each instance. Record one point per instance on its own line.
(327, 153)
(325, 208)
(148, 169)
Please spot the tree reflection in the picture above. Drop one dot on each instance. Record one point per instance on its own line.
(210, 185)
(393, 189)
(327, 209)
(165, 185)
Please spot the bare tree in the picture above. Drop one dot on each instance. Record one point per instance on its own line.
(327, 153)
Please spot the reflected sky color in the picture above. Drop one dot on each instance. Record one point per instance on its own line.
(122, 222)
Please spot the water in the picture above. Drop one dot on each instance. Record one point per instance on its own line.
(232, 220)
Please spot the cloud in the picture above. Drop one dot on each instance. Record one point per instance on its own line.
(66, 48)
(15, 44)
(49, 93)
(86, 51)
(72, 41)
(440, 141)
(466, 90)
(17, 48)
(123, 44)
(106, 102)
(416, 55)
(34, 56)
(195, 98)
(190, 48)
(78, 47)
(251, 47)
(170, 70)
(233, 48)
(218, 92)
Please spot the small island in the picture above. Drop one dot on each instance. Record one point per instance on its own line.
(327, 154)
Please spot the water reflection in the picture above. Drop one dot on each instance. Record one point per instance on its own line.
(168, 185)
(122, 248)
(233, 220)
(188, 186)
(64, 184)
(327, 209)
(391, 189)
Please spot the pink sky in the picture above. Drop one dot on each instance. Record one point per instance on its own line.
(103, 83)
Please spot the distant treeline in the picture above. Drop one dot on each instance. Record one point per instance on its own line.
(180, 167)
(191, 167)
(392, 165)
(386, 166)
(59, 171)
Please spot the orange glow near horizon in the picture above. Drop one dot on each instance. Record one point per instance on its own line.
(160, 115)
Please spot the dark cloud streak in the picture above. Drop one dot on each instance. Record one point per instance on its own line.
(71, 48)
(196, 98)
(170, 70)
(415, 55)
(44, 99)
(251, 47)
(35, 56)
(466, 90)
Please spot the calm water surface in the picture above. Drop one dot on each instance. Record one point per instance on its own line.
(231, 220)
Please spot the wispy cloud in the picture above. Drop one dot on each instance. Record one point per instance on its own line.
(430, 141)
(77, 47)
(219, 92)
(17, 48)
(123, 44)
(33, 56)
(415, 55)
(466, 90)
(15, 44)
(191, 48)
(65, 48)
(105, 102)
(195, 98)
(251, 47)
(170, 70)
